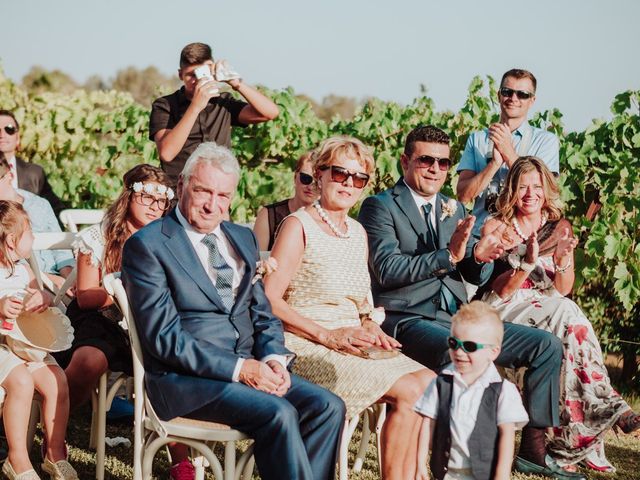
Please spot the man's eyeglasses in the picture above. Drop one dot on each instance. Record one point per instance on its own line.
(147, 200)
(10, 129)
(340, 175)
(521, 94)
(466, 345)
(426, 161)
(305, 178)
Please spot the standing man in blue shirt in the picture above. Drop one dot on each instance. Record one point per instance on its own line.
(489, 153)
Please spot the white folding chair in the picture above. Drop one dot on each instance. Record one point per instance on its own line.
(52, 241)
(72, 217)
(151, 433)
(102, 398)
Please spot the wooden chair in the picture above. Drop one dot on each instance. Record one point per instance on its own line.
(71, 218)
(151, 433)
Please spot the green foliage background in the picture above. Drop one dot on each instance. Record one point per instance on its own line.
(86, 141)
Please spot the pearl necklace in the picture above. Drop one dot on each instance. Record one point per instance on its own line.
(516, 225)
(325, 218)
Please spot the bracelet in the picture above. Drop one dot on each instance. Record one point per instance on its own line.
(526, 267)
(560, 269)
(517, 263)
(451, 260)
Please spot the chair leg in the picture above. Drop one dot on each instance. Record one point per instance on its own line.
(229, 460)
(244, 468)
(34, 418)
(381, 415)
(364, 440)
(101, 426)
(343, 452)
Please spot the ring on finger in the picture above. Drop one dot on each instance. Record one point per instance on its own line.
(349, 340)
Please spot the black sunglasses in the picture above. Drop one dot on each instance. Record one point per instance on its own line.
(340, 175)
(466, 345)
(425, 161)
(148, 200)
(305, 178)
(521, 94)
(10, 129)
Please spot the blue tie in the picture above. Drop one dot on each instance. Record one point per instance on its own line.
(447, 299)
(224, 281)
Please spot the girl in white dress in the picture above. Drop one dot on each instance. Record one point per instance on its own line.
(19, 375)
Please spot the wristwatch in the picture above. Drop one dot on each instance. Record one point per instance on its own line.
(451, 260)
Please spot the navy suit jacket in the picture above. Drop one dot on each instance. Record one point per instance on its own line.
(188, 339)
(406, 276)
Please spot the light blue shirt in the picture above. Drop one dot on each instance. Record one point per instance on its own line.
(44, 220)
(542, 144)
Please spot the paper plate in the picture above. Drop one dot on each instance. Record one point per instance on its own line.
(50, 330)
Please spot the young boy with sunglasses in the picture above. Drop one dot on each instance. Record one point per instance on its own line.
(489, 153)
(470, 413)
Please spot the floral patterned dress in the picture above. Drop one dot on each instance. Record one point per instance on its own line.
(589, 404)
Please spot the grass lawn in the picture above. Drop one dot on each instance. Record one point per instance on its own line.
(623, 452)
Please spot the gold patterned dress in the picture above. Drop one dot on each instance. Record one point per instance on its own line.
(329, 285)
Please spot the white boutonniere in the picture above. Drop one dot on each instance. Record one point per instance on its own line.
(448, 209)
(264, 268)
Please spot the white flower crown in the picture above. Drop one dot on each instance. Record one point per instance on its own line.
(152, 188)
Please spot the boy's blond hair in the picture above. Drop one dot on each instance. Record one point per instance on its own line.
(480, 313)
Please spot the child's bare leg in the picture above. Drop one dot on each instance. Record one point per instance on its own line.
(51, 382)
(16, 411)
(83, 372)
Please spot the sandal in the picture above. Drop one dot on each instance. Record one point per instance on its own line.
(628, 422)
(60, 470)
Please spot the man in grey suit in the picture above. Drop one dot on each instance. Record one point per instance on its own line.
(212, 348)
(420, 248)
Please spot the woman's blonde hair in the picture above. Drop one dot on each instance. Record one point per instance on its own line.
(342, 146)
(115, 227)
(505, 205)
(13, 221)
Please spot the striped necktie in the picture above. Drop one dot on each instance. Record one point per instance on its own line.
(224, 280)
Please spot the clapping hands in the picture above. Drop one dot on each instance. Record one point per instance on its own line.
(566, 244)
(490, 245)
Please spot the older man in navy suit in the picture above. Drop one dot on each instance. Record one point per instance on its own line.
(420, 248)
(212, 348)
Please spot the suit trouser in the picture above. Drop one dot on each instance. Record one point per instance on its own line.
(296, 436)
(425, 341)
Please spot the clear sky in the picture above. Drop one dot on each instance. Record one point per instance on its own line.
(582, 51)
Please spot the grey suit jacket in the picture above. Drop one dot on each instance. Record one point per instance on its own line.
(406, 276)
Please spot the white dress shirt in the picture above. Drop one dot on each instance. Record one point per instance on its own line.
(420, 201)
(234, 260)
(465, 402)
(12, 165)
